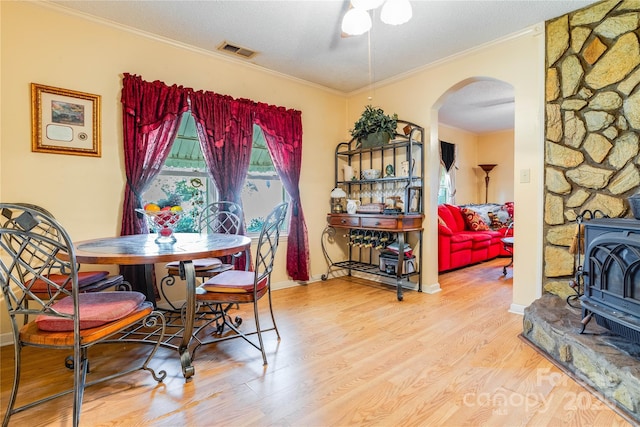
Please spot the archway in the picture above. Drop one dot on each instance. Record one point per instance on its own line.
(477, 115)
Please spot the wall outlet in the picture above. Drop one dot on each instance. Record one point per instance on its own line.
(525, 176)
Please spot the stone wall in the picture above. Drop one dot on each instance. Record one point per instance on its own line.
(592, 124)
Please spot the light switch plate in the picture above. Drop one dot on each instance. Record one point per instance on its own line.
(525, 175)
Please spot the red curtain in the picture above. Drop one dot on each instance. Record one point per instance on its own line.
(225, 131)
(283, 132)
(151, 115)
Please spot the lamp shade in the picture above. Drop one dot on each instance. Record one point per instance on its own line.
(396, 12)
(337, 193)
(356, 21)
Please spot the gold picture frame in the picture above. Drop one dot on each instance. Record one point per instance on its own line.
(65, 121)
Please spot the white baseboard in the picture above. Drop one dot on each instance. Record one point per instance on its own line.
(431, 289)
(6, 339)
(517, 309)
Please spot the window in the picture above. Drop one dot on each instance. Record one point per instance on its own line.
(184, 180)
(445, 189)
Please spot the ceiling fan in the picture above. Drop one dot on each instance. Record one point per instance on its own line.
(357, 19)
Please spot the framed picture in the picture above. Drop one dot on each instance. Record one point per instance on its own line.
(64, 121)
(414, 199)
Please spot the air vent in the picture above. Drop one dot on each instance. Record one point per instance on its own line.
(236, 50)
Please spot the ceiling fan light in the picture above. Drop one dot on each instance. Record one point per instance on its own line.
(396, 12)
(366, 4)
(356, 21)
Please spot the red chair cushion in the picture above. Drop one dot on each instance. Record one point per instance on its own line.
(84, 278)
(96, 309)
(233, 281)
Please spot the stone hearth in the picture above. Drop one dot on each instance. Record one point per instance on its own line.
(606, 362)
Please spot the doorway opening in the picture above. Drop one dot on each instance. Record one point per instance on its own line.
(475, 134)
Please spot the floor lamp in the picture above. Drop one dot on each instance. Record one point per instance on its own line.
(487, 169)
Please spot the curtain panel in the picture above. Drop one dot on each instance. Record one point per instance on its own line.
(151, 115)
(447, 154)
(282, 130)
(225, 132)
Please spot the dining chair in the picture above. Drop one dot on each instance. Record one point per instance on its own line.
(34, 248)
(247, 287)
(88, 281)
(218, 217)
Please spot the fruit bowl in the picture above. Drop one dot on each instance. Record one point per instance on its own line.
(163, 222)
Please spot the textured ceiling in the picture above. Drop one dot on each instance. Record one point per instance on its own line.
(303, 38)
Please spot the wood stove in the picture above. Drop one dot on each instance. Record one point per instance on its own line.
(611, 274)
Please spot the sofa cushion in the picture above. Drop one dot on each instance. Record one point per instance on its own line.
(452, 215)
(460, 245)
(473, 220)
(443, 228)
(478, 239)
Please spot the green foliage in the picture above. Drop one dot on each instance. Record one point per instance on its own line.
(255, 225)
(374, 120)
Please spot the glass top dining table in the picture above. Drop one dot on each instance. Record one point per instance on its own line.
(141, 249)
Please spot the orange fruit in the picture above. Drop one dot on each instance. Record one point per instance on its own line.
(151, 207)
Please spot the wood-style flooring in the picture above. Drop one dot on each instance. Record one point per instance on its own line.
(350, 354)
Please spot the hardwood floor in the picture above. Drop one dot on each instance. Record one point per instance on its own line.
(350, 354)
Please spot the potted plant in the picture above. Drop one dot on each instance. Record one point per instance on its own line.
(374, 127)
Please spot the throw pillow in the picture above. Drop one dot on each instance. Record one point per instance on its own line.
(508, 206)
(496, 223)
(473, 220)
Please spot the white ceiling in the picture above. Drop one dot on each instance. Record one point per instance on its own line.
(302, 38)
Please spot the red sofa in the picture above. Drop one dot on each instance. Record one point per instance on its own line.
(465, 238)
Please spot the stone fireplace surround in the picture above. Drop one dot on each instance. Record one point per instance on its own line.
(592, 162)
(605, 362)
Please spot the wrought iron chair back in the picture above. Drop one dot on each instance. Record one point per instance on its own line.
(34, 243)
(221, 217)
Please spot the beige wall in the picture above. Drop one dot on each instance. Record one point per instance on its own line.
(43, 45)
(475, 149)
(496, 148)
(416, 97)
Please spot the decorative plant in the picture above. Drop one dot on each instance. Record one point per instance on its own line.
(374, 120)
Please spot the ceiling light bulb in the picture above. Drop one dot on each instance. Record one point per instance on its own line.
(396, 12)
(356, 21)
(366, 4)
